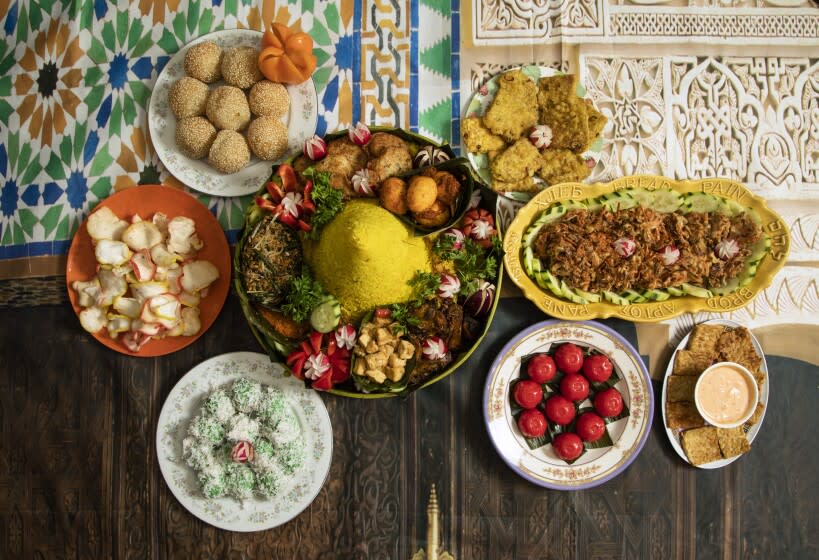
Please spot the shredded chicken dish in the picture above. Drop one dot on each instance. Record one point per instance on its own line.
(585, 248)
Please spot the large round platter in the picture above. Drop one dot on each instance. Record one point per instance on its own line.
(480, 102)
(198, 174)
(764, 395)
(146, 200)
(542, 466)
(771, 224)
(254, 514)
(279, 351)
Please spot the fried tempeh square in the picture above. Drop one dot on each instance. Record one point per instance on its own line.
(516, 163)
(687, 362)
(757, 415)
(514, 109)
(680, 388)
(562, 166)
(564, 112)
(525, 185)
(597, 122)
(704, 339)
(735, 345)
(732, 441)
(701, 445)
(683, 415)
(479, 139)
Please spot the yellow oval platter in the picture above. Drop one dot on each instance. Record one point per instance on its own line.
(771, 224)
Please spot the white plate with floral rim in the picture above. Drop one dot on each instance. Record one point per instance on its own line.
(510, 202)
(255, 514)
(198, 174)
(750, 431)
(542, 466)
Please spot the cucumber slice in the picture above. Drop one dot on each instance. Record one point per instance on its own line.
(548, 281)
(666, 201)
(727, 288)
(634, 296)
(701, 202)
(592, 204)
(591, 297)
(552, 214)
(696, 291)
(617, 200)
(760, 249)
(528, 259)
(571, 295)
(326, 315)
(656, 295)
(675, 291)
(732, 207)
(614, 298)
(642, 196)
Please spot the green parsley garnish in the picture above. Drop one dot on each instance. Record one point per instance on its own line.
(328, 201)
(303, 295)
(472, 262)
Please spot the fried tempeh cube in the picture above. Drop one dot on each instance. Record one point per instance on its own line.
(704, 339)
(757, 415)
(683, 415)
(701, 445)
(732, 441)
(479, 139)
(514, 109)
(687, 362)
(680, 388)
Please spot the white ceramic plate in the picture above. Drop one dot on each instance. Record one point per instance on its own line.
(478, 105)
(674, 435)
(183, 403)
(198, 174)
(542, 466)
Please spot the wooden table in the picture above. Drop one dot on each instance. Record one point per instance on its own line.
(79, 476)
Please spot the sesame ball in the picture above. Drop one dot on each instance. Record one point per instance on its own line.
(194, 136)
(240, 67)
(188, 97)
(267, 137)
(269, 99)
(203, 62)
(229, 152)
(227, 108)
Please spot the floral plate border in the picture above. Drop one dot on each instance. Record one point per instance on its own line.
(542, 466)
(197, 174)
(254, 514)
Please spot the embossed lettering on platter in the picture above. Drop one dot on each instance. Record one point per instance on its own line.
(779, 239)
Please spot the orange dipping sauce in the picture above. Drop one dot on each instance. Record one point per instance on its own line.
(726, 394)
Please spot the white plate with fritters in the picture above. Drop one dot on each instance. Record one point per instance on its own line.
(751, 431)
(198, 174)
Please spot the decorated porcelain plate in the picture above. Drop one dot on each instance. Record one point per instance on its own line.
(480, 103)
(752, 431)
(197, 174)
(766, 255)
(145, 201)
(542, 465)
(253, 514)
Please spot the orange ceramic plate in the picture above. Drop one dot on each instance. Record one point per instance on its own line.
(145, 201)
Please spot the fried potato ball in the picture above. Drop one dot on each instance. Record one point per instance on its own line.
(436, 215)
(269, 99)
(188, 97)
(240, 67)
(421, 193)
(203, 62)
(195, 136)
(227, 108)
(393, 195)
(267, 137)
(229, 152)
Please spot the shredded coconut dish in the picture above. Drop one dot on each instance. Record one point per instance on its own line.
(244, 442)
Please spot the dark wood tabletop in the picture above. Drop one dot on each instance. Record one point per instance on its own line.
(79, 476)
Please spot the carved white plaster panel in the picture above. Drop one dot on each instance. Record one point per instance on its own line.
(520, 22)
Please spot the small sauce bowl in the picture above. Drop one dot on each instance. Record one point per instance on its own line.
(726, 395)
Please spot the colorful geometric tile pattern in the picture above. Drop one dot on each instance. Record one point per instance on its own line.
(76, 77)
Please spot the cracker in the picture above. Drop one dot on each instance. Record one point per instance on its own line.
(687, 362)
(680, 388)
(562, 166)
(597, 122)
(564, 112)
(683, 415)
(479, 139)
(704, 338)
(526, 185)
(513, 110)
(732, 441)
(701, 445)
(757, 415)
(516, 163)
